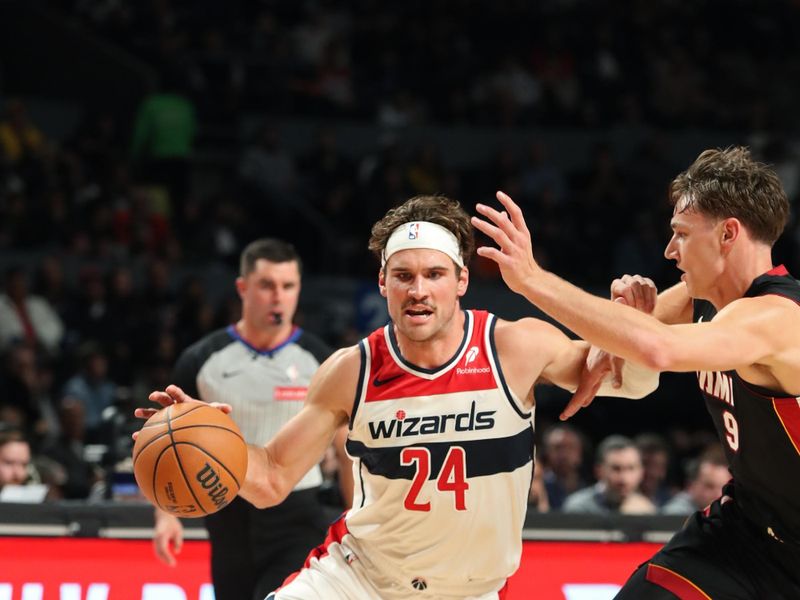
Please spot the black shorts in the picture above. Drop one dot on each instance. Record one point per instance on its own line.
(719, 554)
(253, 550)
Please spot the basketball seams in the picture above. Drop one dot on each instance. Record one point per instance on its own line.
(143, 448)
(207, 453)
(204, 426)
(190, 410)
(200, 430)
(186, 480)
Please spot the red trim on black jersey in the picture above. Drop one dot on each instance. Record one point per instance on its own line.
(788, 411)
(672, 582)
(778, 270)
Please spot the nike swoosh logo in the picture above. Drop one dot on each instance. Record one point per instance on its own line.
(226, 374)
(379, 382)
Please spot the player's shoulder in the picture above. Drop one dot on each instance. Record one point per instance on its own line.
(336, 379)
(344, 361)
(528, 330)
(764, 308)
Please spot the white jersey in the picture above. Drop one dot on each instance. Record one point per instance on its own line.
(442, 460)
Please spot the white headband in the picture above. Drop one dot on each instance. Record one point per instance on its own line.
(423, 234)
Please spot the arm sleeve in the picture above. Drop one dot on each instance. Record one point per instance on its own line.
(637, 382)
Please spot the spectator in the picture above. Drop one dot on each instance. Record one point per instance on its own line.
(26, 317)
(15, 457)
(26, 386)
(537, 496)
(68, 451)
(655, 460)
(563, 459)
(163, 138)
(92, 388)
(20, 139)
(619, 473)
(705, 478)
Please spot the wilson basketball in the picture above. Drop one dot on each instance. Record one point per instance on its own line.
(190, 459)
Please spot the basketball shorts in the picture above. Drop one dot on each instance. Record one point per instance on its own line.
(333, 571)
(719, 554)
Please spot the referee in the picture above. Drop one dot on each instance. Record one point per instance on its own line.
(261, 366)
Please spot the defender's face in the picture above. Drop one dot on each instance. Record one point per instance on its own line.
(695, 247)
(422, 292)
(270, 293)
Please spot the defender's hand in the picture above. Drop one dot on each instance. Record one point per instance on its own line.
(514, 255)
(636, 291)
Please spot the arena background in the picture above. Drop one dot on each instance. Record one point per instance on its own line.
(307, 120)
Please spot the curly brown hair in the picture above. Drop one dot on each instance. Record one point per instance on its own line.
(435, 209)
(729, 183)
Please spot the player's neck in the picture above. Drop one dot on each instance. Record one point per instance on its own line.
(436, 351)
(264, 338)
(739, 272)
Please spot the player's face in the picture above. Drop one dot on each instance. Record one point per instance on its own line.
(270, 293)
(696, 249)
(14, 460)
(422, 292)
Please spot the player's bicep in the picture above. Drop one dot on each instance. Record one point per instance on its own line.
(301, 443)
(567, 360)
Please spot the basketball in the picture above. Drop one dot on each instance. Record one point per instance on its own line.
(190, 459)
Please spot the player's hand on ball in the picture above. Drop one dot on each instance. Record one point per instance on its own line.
(172, 395)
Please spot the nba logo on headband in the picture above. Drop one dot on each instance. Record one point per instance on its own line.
(413, 231)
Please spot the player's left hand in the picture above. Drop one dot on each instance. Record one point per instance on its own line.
(515, 253)
(599, 365)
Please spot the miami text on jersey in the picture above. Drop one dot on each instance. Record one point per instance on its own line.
(716, 384)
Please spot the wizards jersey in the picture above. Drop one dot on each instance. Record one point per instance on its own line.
(759, 428)
(442, 464)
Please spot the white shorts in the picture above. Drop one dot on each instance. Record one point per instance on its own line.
(333, 571)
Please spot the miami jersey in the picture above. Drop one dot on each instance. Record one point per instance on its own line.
(759, 429)
(442, 464)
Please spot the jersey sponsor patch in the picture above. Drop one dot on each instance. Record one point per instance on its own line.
(295, 393)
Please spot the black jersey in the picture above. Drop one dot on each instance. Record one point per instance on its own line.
(759, 428)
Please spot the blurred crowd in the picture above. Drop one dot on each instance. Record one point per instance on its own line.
(100, 230)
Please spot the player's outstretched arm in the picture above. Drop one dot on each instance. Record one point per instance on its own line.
(746, 332)
(274, 469)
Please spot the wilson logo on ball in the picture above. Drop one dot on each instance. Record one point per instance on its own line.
(209, 479)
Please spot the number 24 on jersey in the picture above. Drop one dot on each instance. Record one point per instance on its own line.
(452, 476)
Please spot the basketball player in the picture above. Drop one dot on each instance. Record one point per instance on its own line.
(261, 366)
(439, 404)
(735, 321)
